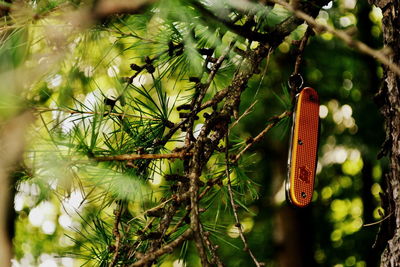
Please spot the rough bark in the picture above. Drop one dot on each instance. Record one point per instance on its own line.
(389, 99)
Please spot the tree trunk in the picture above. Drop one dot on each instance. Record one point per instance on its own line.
(389, 99)
(12, 136)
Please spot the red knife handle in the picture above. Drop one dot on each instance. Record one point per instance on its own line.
(302, 160)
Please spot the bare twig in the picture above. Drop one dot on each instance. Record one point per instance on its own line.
(152, 210)
(178, 155)
(261, 135)
(302, 45)
(360, 46)
(234, 207)
(155, 209)
(379, 221)
(264, 72)
(168, 248)
(148, 224)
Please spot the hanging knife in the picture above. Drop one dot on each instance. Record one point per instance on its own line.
(302, 159)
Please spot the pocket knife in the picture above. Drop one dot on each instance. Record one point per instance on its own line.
(302, 159)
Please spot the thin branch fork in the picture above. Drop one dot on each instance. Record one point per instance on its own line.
(197, 101)
(362, 47)
(379, 221)
(180, 222)
(195, 223)
(124, 157)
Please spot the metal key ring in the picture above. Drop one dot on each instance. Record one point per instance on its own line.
(295, 82)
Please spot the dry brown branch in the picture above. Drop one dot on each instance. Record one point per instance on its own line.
(157, 208)
(205, 144)
(360, 46)
(169, 212)
(195, 223)
(379, 221)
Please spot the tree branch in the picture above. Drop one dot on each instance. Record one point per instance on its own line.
(360, 46)
(117, 235)
(168, 248)
(213, 249)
